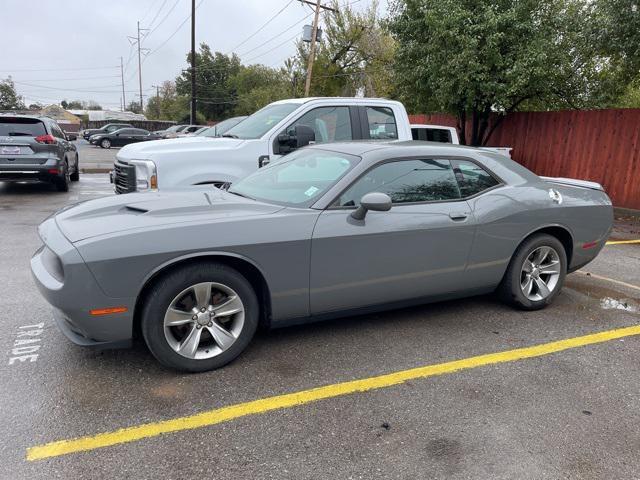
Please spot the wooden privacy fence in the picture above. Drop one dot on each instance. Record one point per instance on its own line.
(598, 145)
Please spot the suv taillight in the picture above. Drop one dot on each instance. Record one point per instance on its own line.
(48, 139)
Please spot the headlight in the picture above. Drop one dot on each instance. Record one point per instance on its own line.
(146, 175)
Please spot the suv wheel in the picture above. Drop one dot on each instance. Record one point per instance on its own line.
(105, 143)
(62, 183)
(75, 176)
(199, 317)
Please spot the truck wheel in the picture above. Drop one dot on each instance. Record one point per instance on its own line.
(62, 183)
(535, 274)
(105, 143)
(199, 317)
(75, 176)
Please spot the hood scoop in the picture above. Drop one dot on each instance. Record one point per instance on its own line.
(118, 213)
(135, 210)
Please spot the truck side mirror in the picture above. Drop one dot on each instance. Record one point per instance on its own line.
(299, 137)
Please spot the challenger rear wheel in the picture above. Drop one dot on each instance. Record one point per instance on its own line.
(535, 274)
(199, 317)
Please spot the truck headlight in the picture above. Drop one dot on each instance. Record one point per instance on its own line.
(146, 175)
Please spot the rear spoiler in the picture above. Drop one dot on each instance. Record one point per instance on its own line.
(572, 182)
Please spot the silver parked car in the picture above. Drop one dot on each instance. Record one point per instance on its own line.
(328, 230)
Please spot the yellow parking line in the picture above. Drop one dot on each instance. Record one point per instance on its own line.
(622, 242)
(607, 279)
(224, 414)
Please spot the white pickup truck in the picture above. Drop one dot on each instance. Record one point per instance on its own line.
(442, 134)
(263, 137)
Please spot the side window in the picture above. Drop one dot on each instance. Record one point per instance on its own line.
(431, 134)
(126, 131)
(472, 178)
(330, 124)
(406, 181)
(382, 123)
(55, 129)
(138, 131)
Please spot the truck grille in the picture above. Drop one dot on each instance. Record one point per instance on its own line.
(124, 177)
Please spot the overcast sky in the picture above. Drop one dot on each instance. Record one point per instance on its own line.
(71, 49)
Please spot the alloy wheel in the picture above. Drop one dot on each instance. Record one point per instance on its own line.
(540, 273)
(204, 320)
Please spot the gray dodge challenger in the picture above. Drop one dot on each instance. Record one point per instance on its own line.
(327, 231)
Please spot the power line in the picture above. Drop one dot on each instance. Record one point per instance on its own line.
(278, 35)
(263, 26)
(69, 79)
(156, 15)
(163, 18)
(59, 69)
(272, 49)
(174, 33)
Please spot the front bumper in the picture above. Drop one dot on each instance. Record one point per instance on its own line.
(75, 293)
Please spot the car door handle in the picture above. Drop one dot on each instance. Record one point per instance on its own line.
(458, 216)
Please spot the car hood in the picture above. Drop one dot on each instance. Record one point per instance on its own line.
(118, 213)
(148, 150)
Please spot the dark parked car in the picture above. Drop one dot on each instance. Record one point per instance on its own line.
(108, 128)
(219, 128)
(124, 136)
(34, 148)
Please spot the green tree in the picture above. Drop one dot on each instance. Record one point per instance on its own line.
(353, 57)
(134, 107)
(474, 59)
(9, 98)
(214, 71)
(256, 86)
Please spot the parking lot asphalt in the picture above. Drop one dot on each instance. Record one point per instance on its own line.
(570, 414)
(94, 159)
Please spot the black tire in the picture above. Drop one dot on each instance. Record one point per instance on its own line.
(105, 143)
(165, 289)
(510, 289)
(75, 176)
(62, 183)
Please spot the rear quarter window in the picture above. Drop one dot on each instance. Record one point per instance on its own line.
(10, 127)
(440, 135)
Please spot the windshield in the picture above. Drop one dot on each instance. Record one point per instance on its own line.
(298, 180)
(256, 125)
(221, 127)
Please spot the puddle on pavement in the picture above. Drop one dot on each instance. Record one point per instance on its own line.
(606, 298)
(625, 304)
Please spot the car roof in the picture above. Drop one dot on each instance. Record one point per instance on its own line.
(404, 147)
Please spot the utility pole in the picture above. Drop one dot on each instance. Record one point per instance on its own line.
(124, 102)
(157, 87)
(139, 68)
(314, 34)
(193, 62)
(136, 40)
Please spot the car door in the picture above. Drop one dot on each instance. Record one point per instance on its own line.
(417, 249)
(122, 136)
(329, 123)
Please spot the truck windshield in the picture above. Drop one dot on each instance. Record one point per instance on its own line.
(298, 180)
(256, 125)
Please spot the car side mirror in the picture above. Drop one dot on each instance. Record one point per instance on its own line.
(301, 136)
(374, 201)
(117, 134)
(71, 137)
